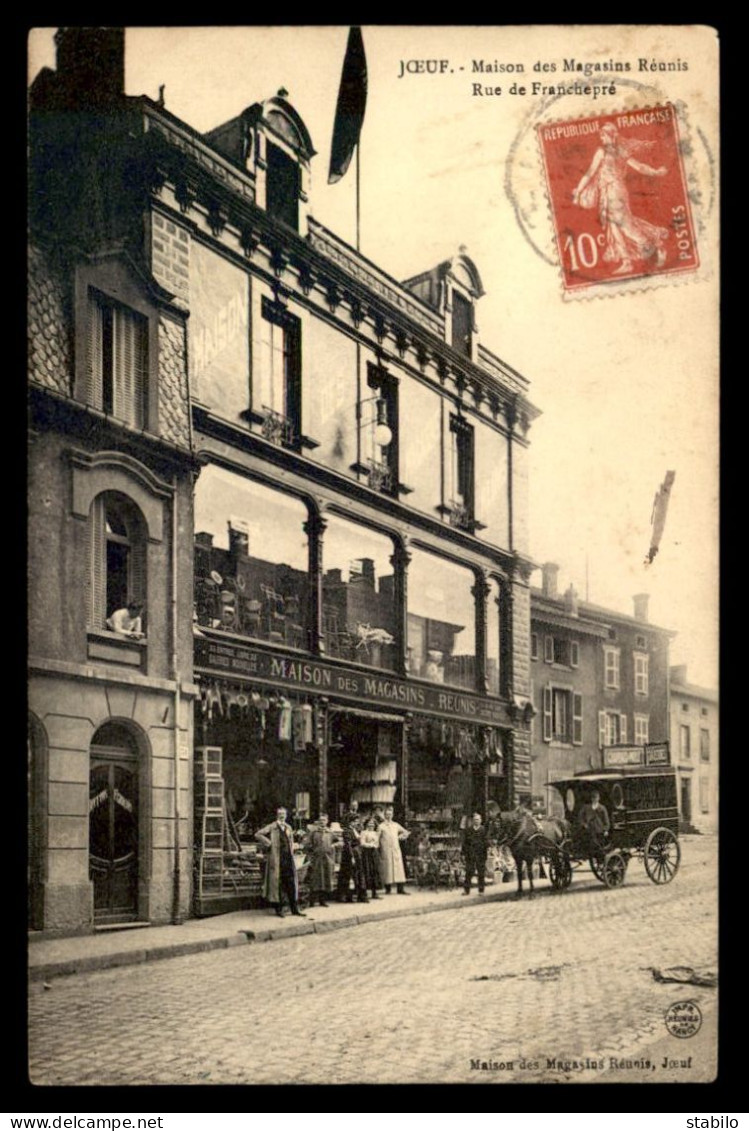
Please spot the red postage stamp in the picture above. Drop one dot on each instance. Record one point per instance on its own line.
(618, 196)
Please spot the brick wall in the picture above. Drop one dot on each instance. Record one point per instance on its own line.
(50, 360)
(173, 407)
(170, 256)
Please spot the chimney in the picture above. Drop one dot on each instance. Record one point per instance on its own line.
(91, 64)
(549, 584)
(203, 538)
(678, 673)
(239, 539)
(641, 606)
(570, 601)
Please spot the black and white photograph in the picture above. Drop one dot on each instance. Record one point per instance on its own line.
(372, 548)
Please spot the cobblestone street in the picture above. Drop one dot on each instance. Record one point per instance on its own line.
(529, 989)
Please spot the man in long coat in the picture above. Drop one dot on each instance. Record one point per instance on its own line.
(475, 846)
(280, 868)
(391, 857)
(321, 852)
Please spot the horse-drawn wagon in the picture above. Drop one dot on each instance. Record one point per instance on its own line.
(643, 818)
(634, 815)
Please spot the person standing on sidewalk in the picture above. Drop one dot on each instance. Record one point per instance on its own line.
(351, 873)
(321, 852)
(391, 857)
(370, 845)
(475, 846)
(280, 869)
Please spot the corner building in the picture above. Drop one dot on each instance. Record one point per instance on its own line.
(110, 481)
(360, 606)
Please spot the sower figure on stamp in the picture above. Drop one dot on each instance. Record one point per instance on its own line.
(280, 869)
(475, 846)
(391, 857)
(321, 851)
(604, 186)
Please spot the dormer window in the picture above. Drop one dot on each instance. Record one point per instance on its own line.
(282, 187)
(462, 324)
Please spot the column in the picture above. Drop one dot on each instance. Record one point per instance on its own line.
(321, 743)
(314, 528)
(480, 593)
(400, 561)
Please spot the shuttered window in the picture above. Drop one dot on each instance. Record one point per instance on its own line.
(562, 715)
(117, 360)
(577, 719)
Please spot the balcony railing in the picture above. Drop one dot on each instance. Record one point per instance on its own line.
(277, 428)
(460, 515)
(379, 476)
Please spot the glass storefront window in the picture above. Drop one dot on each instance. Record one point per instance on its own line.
(492, 636)
(358, 594)
(441, 621)
(251, 559)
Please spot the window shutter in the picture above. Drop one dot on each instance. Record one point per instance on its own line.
(95, 347)
(534, 646)
(547, 713)
(137, 563)
(577, 719)
(98, 566)
(549, 649)
(574, 653)
(622, 728)
(140, 376)
(601, 728)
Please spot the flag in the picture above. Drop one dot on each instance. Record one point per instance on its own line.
(349, 113)
(658, 516)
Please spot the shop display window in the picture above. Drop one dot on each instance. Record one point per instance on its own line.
(441, 621)
(358, 594)
(251, 559)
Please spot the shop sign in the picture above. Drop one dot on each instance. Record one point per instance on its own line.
(657, 754)
(623, 756)
(221, 657)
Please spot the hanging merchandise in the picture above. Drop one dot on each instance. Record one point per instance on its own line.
(301, 727)
(284, 721)
(213, 699)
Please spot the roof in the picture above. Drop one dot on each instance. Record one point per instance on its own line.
(695, 692)
(588, 614)
(620, 773)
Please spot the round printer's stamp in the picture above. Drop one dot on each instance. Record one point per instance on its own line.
(683, 1018)
(618, 197)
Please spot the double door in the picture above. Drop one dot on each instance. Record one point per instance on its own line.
(113, 834)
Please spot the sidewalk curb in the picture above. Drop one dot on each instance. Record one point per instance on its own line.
(85, 964)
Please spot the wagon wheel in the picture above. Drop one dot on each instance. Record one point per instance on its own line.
(613, 869)
(596, 867)
(662, 856)
(560, 871)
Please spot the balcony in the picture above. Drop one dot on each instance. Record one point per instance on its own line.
(277, 428)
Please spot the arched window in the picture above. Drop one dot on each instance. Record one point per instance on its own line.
(118, 557)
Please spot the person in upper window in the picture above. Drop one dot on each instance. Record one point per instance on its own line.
(128, 621)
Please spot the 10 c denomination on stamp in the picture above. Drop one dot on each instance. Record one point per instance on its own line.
(618, 197)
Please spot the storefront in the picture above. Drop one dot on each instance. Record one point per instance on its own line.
(273, 730)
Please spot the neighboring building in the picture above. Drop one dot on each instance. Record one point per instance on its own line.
(109, 517)
(600, 678)
(361, 598)
(694, 746)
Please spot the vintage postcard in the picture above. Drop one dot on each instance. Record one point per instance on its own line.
(373, 566)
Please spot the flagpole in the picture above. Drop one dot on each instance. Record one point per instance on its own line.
(358, 198)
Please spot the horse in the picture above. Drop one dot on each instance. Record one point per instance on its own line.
(528, 839)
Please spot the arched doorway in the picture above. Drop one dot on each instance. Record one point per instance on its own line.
(113, 824)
